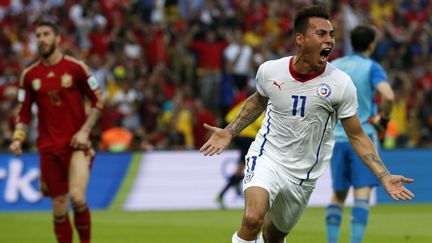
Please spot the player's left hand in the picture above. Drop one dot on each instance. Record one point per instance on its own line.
(393, 185)
(80, 140)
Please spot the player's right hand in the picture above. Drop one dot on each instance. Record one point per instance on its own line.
(80, 140)
(15, 147)
(218, 141)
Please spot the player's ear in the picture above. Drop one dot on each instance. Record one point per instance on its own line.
(299, 39)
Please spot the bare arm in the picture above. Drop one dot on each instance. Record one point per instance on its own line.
(89, 88)
(81, 139)
(221, 138)
(250, 111)
(367, 152)
(364, 146)
(380, 121)
(23, 116)
(388, 97)
(91, 120)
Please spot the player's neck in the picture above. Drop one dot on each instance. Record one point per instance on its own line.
(52, 59)
(301, 66)
(366, 53)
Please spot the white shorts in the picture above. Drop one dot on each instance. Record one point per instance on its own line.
(287, 198)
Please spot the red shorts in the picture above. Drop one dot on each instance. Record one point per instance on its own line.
(54, 169)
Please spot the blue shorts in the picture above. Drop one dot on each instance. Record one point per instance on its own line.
(347, 168)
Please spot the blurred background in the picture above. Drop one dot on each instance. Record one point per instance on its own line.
(168, 66)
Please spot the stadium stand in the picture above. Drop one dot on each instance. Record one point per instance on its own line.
(162, 64)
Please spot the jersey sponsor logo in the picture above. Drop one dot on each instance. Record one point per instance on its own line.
(323, 90)
(66, 80)
(248, 177)
(92, 82)
(278, 85)
(36, 84)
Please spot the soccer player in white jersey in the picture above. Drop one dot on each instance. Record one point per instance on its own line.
(346, 167)
(303, 97)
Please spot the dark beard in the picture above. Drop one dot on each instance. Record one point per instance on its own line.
(49, 52)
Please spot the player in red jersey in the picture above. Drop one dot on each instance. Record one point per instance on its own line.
(58, 84)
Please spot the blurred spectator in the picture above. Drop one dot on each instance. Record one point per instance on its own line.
(425, 114)
(155, 45)
(208, 52)
(8, 95)
(238, 56)
(201, 116)
(151, 55)
(100, 37)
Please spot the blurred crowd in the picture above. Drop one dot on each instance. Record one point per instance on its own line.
(168, 66)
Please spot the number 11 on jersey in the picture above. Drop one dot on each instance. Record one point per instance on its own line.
(295, 104)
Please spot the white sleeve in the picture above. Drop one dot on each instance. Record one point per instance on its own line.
(259, 80)
(348, 103)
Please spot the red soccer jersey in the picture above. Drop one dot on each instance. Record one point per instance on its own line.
(58, 91)
(209, 54)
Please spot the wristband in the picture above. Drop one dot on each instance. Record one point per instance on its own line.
(19, 135)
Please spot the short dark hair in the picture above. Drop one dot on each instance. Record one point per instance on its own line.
(361, 38)
(49, 23)
(301, 20)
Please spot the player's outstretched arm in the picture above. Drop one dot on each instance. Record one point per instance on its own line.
(221, 138)
(364, 147)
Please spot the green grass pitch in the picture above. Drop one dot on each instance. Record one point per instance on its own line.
(389, 223)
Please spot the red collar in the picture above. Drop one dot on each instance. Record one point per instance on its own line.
(303, 77)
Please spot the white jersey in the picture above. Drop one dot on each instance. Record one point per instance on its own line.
(297, 131)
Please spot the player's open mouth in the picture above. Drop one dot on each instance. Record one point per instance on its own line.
(324, 53)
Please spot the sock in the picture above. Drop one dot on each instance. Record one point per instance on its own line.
(63, 229)
(237, 239)
(333, 222)
(82, 222)
(233, 180)
(359, 218)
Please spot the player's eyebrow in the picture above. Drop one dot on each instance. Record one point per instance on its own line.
(323, 31)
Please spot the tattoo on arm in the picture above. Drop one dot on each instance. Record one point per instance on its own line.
(382, 174)
(373, 159)
(250, 111)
